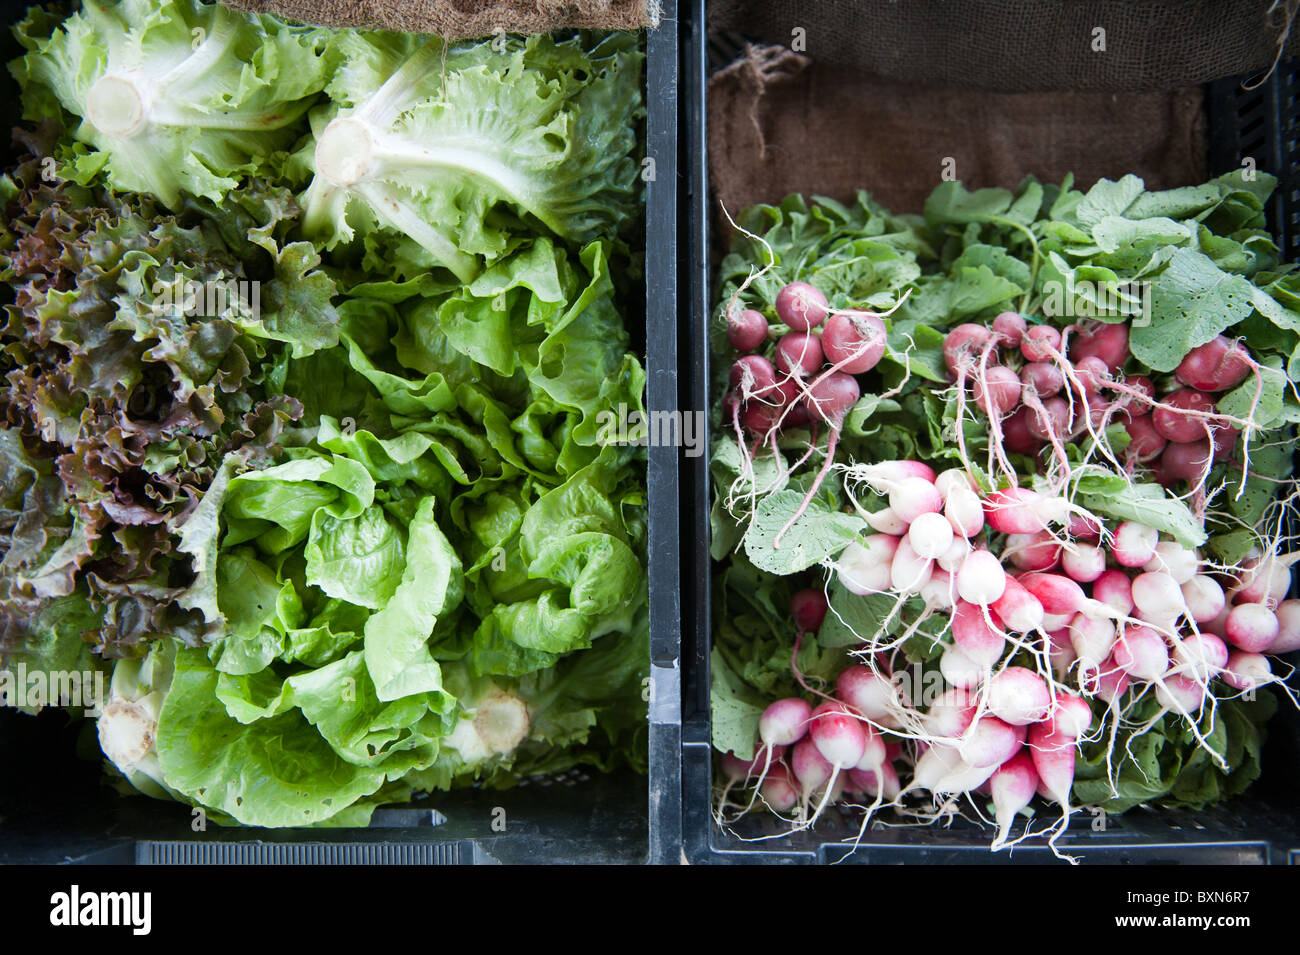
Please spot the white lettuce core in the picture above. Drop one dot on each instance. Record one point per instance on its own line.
(343, 152)
(126, 730)
(115, 107)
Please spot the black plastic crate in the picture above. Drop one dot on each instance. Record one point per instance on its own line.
(1260, 827)
(56, 807)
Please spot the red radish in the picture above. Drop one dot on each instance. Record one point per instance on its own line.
(911, 497)
(1085, 528)
(1252, 627)
(873, 753)
(953, 479)
(1056, 621)
(1186, 462)
(1058, 594)
(1141, 653)
(746, 330)
(1134, 544)
(1091, 373)
(964, 344)
(854, 342)
(1093, 638)
(1018, 609)
(864, 567)
(1054, 421)
(808, 608)
(1083, 563)
(799, 354)
(960, 670)
(955, 555)
(1043, 377)
(981, 579)
(784, 722)
(1215, 366)
(1145, 443)
(1037, 551)
(949, 715)
(829, 398)
(869, 782)
(1157, 596)
(1175, 560)
(1200, 655)
(964, 511)
(1039, 342)
(752, 375)
(990, 742)
(1115, 590)
(996, 390)
(1014, 510)
(1009, 328)
(1060, 652)
(1070, 717)
(810, 767)
(1101, 340)
(934, 765)
(1012, 788)
(1173, 423)
(801, 306)
(887, 522)
(1180, 694)
(871, 694)
(1204, 598)
(1111, 681)
(839, 736)
(909, 571)
(1225, 440)
(1288, 632)
(1019, 696)
(884, 474)
(1053, 758)
(1247, 671)
(930, 535)
(973, 636)
(760, 419)
(779, 790)
(1016, 436)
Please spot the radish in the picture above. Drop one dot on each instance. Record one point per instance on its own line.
(1018, 609)
(1012, 788)
(872, 695)
(841, 739)
(1040, 342)
(1016, 436)
(1053, 758)
(808, 609)
(955, 555)
(1141, 653)
(913, 496)
(1288, 632)
(801, 306)
(1175, 560)
(1252, 627)
(949, 715)
(934, 765)
(1180, 694)
(990, 742)
(1009, 328)
(1070, 717)
(1058, 594)
(981, 579)
(1134, 544)
(1188, 462)
(799, 354)
(1091, 373)
(779, 790)
(951, 480)
(1043, 377)
(1101, 340)
(973, 636)
(1085, 528)
(1111, 681)
(1217, 365)
(960, 670)
(1015, 510)
(1200, 655)
(1083, 563)
(868, 781)
(1247, 671)
(1019, 696)
(886, 522)
(909, 571)
(752, 376)
(1052, 420)
(1114, 589)
(964, 511)
(930, 535)
(829, 398)
(1204, 598)
(1093, 638)
(1157, 596)
(810, 767)
(996, 390)
(1172, 420)
(963, 343)
(937, 592)
(854, 342)
(1037, 551)
(865, 567)
(1060, 652)
(882, 475)
(1145, 442)
(746, 330)
(784, 722)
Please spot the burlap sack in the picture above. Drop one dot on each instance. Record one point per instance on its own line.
(1025, 45)
(778, 123)
(464, 19)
